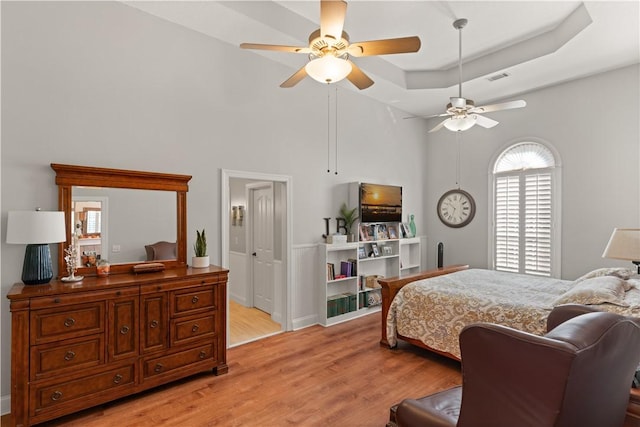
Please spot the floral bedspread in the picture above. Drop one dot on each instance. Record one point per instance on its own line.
(435, 310)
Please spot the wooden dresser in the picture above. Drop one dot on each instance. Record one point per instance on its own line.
(77, 345)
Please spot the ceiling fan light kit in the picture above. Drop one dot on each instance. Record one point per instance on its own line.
(329, 50)
(328, 69)
(462, 123)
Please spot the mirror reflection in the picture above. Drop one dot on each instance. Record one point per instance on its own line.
(88, 225)
(118, 225)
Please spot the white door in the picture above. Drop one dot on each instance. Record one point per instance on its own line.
(263, 272)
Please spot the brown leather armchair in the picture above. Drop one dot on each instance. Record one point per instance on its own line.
(161, 251)
(578, 374)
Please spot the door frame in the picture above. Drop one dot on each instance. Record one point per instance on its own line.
(225, 208)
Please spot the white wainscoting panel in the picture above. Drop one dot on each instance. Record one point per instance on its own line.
(304, 304)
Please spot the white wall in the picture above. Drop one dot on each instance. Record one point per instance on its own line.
(103, 84)
(594, 125)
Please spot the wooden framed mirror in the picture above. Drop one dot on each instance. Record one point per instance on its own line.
(145, 210)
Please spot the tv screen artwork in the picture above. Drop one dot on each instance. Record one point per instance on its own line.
(380, 203)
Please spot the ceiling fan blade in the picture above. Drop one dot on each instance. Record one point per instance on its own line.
(428, 117)
(483, 121)
(332, 14)
(358, 77)
(439, 125)
(293, 49)
(385, 47)
(295, 78)
(497, 107)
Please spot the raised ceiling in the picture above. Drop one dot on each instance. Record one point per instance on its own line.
(536, 43)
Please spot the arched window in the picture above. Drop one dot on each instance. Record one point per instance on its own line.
(526, 210)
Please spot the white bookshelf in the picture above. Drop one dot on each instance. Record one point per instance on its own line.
(410, 256)
(402, 257)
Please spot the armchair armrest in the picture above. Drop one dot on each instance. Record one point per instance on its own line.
(562, 313)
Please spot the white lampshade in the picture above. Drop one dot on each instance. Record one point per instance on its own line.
(328, 69)
(461, 123)
(624, 244)
(36, 227)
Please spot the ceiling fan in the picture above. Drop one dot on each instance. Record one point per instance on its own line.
(329, 50)
(462, 112)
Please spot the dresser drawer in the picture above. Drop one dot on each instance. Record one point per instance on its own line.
(166, 364)
(58, 323)
(193, 301)
(48, 396)
(191, 329)
(70, 355)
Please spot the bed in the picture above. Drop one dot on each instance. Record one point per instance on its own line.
(430, 309)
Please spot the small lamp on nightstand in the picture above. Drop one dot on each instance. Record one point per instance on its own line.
(624, 244)
(36, 229)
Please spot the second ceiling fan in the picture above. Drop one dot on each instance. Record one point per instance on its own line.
(329, 49)
(462, 112)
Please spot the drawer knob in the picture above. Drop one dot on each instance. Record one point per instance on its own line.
(153, 324)
(195, 328)
(56, 395)
(158, 367)
(124, 330)
(56, 300)
(195, 299)
(203, 354)
(69, 355)
(69, 322)
(117, 378)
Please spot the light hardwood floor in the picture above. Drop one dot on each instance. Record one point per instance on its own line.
(336, 376)
(316, 376)
(248, 324)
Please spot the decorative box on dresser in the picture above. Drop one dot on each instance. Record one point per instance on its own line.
(76, 345)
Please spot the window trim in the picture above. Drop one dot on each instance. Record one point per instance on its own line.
(556, 226)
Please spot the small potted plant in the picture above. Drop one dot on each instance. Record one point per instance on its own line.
(201, 259)
(350, 216)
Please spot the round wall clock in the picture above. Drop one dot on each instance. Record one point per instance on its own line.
(456, 208)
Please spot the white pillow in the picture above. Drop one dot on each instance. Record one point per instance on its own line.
(623, 273)
(597, 290)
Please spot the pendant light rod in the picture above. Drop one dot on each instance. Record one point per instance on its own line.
(459, 24)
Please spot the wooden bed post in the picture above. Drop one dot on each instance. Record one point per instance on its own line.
(391, 286)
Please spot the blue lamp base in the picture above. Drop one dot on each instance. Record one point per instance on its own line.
(37, 268)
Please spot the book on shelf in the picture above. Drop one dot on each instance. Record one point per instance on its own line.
(331, 271)
(348, 268)
(341, 304)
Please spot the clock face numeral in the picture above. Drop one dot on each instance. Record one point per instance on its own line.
(456, 208)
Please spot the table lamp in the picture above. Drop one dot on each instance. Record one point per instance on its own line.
(624, 244)
(36, 229)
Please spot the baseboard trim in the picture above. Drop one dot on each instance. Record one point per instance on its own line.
(305, 322)
(5, 404)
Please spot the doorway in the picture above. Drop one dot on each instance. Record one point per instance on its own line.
(265, 201)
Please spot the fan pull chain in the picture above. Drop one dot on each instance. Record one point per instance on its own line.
(328, 129)
(458, 136)
(336, 130)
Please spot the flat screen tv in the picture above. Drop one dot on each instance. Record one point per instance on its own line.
(380, 203)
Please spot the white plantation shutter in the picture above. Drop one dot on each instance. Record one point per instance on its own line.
(537, 224)
(507, 223)
(93, 222)
(525, 234)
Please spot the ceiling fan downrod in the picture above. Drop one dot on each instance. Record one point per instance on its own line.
(459, 24)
